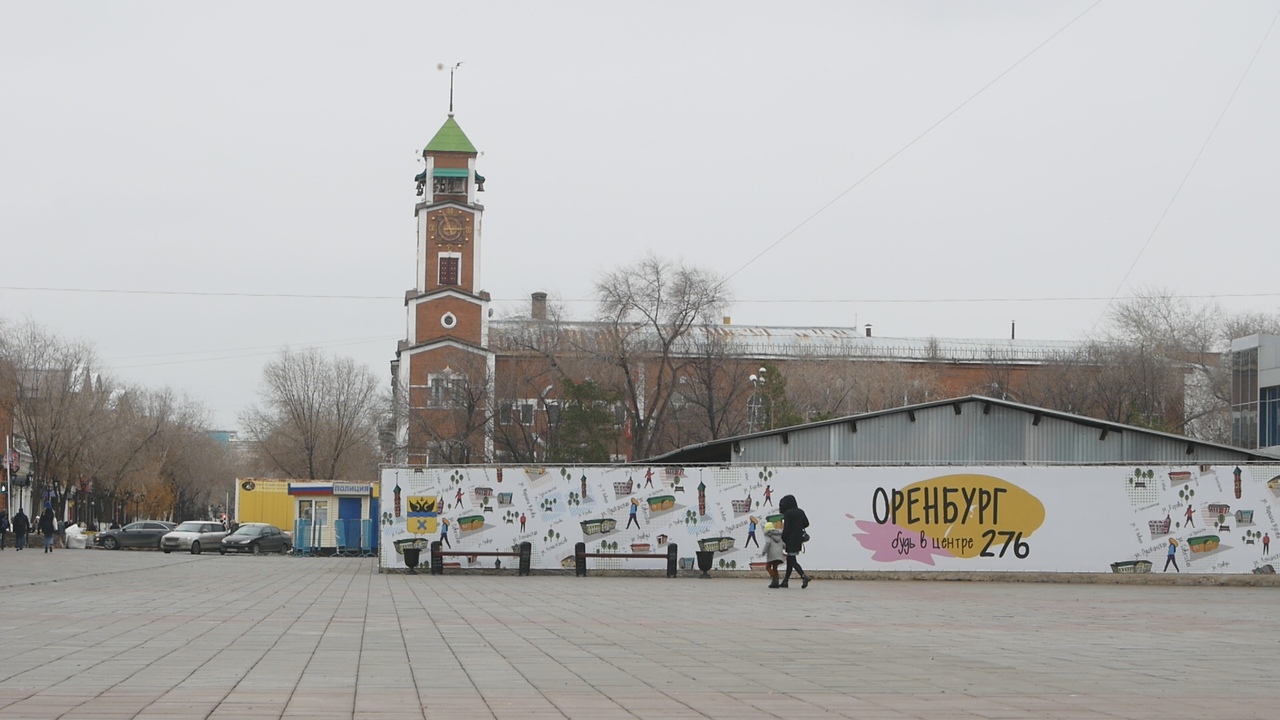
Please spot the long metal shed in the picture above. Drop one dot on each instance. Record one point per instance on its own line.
(961, 431)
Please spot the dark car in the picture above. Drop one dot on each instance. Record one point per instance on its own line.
(144, 533)
(256, 538)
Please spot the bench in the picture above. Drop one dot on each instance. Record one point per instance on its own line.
(525, 553)
(580, 556)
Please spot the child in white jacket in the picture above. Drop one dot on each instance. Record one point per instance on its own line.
(774, 553)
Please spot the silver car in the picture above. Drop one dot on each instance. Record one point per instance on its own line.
(194, 536)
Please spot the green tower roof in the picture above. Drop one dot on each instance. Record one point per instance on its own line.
(450, 138)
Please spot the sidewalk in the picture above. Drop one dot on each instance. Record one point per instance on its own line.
(141, 634)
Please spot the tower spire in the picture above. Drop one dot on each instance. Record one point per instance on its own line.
(452, 69)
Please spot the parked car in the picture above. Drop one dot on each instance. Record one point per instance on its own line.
(193, 536)
(144, 533)
(256, 538)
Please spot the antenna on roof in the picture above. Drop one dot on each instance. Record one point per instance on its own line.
(441, 66)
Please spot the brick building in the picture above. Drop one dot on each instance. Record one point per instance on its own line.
(470, 389)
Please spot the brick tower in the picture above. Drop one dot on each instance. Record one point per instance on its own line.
(443, 367)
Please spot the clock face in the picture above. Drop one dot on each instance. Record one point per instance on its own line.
(450, 228)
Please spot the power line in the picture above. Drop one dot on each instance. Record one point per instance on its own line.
(793, 301)
(1178, 190)
(191, 293)
(914, 140)
(234, 354)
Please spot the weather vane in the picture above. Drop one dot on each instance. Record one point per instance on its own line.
(441, 66)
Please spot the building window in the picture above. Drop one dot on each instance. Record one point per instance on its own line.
(447, 390)
(449, 320)
(1269, 416)
(450, 267)
(526, 414)
(506, 414)
(1244, 398)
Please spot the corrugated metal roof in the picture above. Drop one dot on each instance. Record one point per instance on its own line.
(966, 430)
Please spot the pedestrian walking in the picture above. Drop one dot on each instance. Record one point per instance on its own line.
(4, 529)
(21, 526)
(48, 526)
(794, 522)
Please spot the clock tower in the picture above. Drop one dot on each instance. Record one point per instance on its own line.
(443, 367)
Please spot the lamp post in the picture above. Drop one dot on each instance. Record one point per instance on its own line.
(755, 405)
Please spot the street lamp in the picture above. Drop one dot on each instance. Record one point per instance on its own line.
(755, 406)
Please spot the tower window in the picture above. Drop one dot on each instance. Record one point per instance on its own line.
(447, 390)
(450, 266)
(450, 186)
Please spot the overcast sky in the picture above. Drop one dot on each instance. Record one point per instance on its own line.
(239, 148)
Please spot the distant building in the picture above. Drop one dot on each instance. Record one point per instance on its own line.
(1255, 393)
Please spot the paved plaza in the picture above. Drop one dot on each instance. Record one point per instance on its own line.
(100, 634)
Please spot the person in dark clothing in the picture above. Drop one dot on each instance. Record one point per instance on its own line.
(48, 526)
(4, 529)
(794, 522)
(21, 526)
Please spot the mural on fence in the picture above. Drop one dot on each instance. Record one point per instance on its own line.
(1048, 518)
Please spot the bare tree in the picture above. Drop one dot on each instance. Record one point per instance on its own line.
(712, 389)
(823, 388)
(1193, 341)
(61, 405)
(647, 309)
(454, 421)
(320, 417)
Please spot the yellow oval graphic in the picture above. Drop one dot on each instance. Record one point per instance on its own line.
(968, 515)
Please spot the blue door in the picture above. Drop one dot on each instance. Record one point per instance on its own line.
(349, 519)
(348, 508)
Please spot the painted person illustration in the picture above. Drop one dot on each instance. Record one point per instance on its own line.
(751, 532)
(1190, 511)
(1173, 556)
(635, 507)
(444, 532)
(457, 500)
(768, 495)
(1266, 543)
(648, 478)
(522, 519)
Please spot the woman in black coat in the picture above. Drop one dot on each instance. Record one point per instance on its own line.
(794, 522)
(48, 526)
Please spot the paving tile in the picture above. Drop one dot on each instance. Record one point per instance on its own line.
(332, 638)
